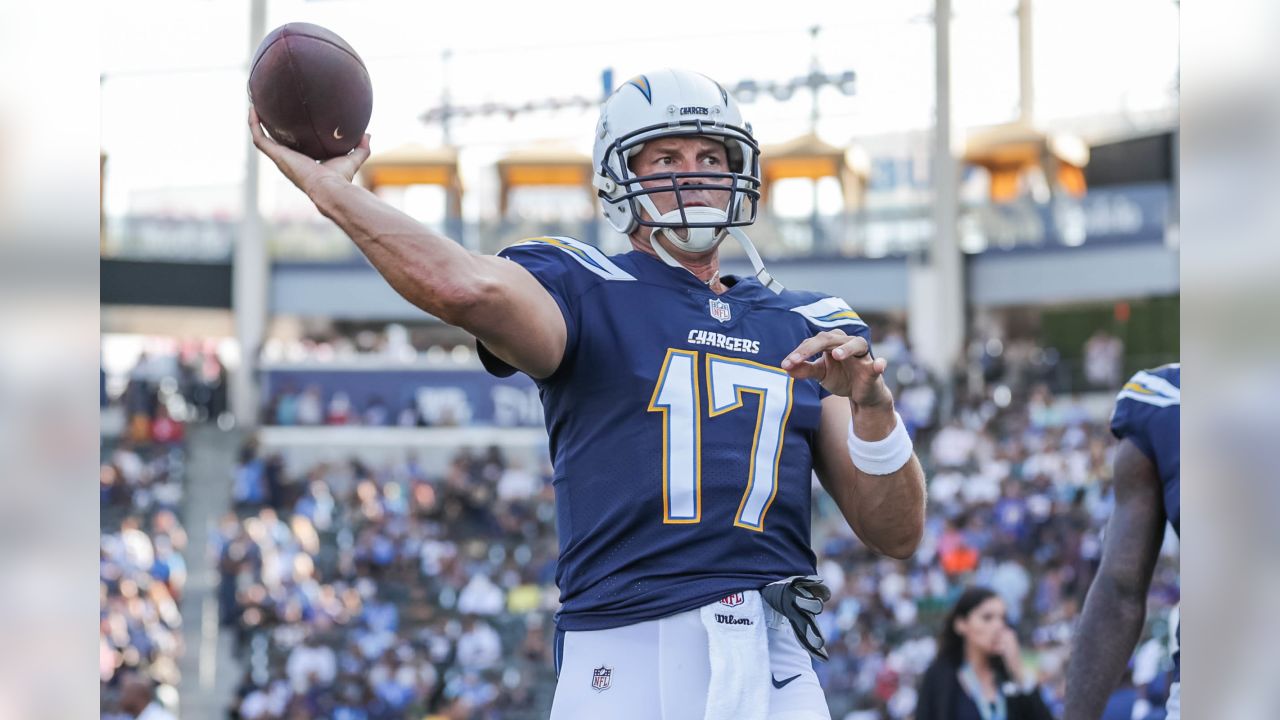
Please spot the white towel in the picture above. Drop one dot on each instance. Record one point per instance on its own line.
(739, 658)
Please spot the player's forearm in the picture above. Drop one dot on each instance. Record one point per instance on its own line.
(890, 507)
(430, 271)
(1104, 639)
(890, 510)
(885, 511)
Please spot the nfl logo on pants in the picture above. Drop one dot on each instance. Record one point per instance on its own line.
(600, 677)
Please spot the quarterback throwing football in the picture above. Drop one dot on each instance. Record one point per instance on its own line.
(687, 411)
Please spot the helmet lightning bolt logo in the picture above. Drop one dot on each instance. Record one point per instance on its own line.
(641, 83)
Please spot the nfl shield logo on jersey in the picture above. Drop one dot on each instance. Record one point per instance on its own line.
(600, 678)
(720, 310)
(733, 600)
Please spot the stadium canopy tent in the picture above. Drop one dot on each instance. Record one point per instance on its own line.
(1009, 152)
(415, 164)
(542, 167)
(811, 158)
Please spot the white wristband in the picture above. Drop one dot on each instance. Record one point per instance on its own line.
(882, 457)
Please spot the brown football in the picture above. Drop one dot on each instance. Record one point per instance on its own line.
(311, 90)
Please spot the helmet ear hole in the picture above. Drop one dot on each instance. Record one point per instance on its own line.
(734, 153)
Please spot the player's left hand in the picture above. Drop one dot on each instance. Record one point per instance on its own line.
(844, 367)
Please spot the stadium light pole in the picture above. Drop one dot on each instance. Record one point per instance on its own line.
(445, 103)
(1026, 65)
(249, 270)
(815, 85)
(935, 290)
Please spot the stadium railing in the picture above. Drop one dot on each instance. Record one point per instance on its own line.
(1142, 212)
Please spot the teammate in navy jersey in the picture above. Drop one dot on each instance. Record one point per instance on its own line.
(687, 412)
(1146, 421)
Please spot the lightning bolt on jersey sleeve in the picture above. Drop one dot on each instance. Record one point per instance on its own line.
(824, 312)
(683, 453)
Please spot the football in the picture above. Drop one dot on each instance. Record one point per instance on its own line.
(311, 90)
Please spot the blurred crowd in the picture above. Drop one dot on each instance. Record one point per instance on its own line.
(142, 575)
(311, 405)
(390, 343)
(1018, 499)
(387, 592)
(163, 391)
(372, 592)
(361, 592)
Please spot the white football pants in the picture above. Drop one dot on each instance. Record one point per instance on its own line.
(660, 669)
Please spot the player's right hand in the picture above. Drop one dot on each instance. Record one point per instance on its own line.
(844, 367)
(302, 170)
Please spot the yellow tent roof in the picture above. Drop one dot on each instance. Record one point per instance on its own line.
(812, 158)
(545, 155)
(412, 164)
(1006, 151)
(544, 165)
(807, 156)
(1017, 144)
(807, 145)
(415, 154)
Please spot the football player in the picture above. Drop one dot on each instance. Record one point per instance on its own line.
(687, 411)
(1146, 421)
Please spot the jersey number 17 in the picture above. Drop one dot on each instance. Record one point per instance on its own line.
(677, 396)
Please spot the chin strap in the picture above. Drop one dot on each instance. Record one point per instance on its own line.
(762, 274)
(662, 250)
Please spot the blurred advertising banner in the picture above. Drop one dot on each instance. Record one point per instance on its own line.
(388, 397)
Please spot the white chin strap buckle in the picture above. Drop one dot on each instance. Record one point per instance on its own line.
(761, 273)
(697, 239)
(705, 238)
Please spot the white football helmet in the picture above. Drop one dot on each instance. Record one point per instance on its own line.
(677, 103)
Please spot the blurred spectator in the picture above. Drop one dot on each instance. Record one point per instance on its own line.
(340, 412)
(953, 446)
(249, 489)
(137, 700)
(479, 647)
(178, 387)
(310, 407)
(310, 663)
(481, 597)
(164, 429)
(1103, 360)
(978, 671)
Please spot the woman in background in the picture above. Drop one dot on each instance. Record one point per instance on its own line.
(978, 673)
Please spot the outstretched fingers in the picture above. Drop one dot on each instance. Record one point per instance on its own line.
(255, 128)
(854, 347)
(820, 343)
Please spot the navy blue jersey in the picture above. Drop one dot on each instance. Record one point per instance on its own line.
(1147, 414)
(683, 454)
